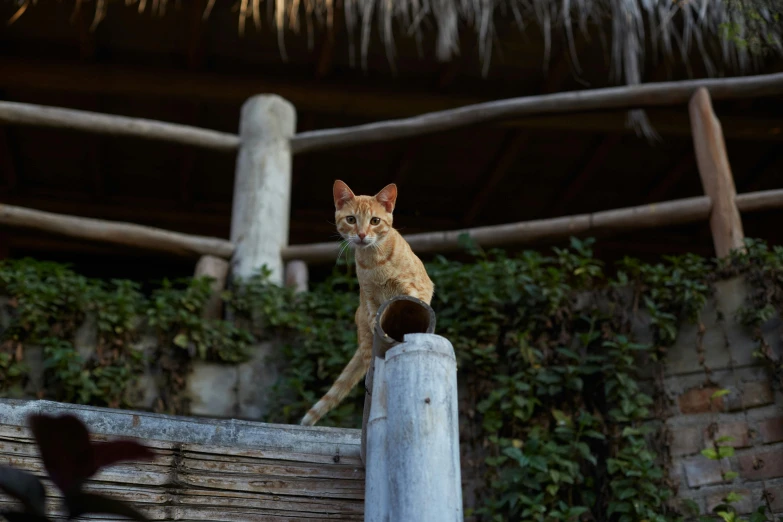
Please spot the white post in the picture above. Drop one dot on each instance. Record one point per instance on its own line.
(217, 269)
(422, 431)
(262, 186)
(296, 275)
(376, 477)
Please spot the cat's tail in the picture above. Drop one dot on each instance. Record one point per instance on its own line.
(350, 376)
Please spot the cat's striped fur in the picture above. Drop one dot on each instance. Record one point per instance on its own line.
(385, 267)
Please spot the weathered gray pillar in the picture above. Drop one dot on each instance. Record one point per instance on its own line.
(217, 269)
(422, 431)
(376, 474)
(262, 186)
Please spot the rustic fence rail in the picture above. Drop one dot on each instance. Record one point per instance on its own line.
(652, 215)
(626, 97)
(260, 222)
(113, 232)
(43, 116)
(219, 470)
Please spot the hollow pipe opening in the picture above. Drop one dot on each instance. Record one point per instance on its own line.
(403, 315)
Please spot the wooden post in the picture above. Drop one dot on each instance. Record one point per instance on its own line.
(217, 269)
(376, 473)
(262, 186)
(422, 431)
(715, 172)
(396, 317)
(296, 275)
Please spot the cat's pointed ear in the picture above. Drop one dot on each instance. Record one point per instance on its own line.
(342, 194)
(387, 197)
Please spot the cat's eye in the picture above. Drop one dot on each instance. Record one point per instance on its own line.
(351, 220)
(375, 221)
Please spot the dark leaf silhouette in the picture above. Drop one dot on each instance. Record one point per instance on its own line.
(108, 453)
(24, 487)
(71, 458)
(83, 503)
(65, 447)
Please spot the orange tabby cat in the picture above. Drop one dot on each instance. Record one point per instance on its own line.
(385, 266)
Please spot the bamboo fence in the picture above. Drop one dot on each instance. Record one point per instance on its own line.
(719, 200)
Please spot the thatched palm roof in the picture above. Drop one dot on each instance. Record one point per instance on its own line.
(732, 33)
(725, 36)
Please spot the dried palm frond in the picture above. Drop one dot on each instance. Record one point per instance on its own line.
(735, 33)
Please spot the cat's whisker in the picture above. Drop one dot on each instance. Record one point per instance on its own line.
(343, 247)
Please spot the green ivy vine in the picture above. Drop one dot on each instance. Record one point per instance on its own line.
(556, 407)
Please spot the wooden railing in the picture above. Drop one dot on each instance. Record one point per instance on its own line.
(266, 143)
(259, 235)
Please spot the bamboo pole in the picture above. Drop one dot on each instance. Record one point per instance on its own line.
(118, 233)
(376, 469)
(139, 236)
(86, 121)
(759, 201)
(626, 97)
(217, 269)
(715, 172)
(395, 318)
(262, 186)
(422, 431)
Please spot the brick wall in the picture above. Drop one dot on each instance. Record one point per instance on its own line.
(718, 356)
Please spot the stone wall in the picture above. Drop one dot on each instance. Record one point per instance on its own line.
(720, 356)
(211, 389)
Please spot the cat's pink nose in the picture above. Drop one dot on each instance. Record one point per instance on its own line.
(362, 235)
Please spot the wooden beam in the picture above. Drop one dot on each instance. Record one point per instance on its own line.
(28, 114)
(350, 100)
(43, 244)
(217, 269)
(632, 218)
(655, 215)
(577, 184)
(716, 177)
(127, 234)
(505, 160)
(759, 201)
(628, 97)
(215, 217)
(261, 206)
(662, 187)
(667, 122)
